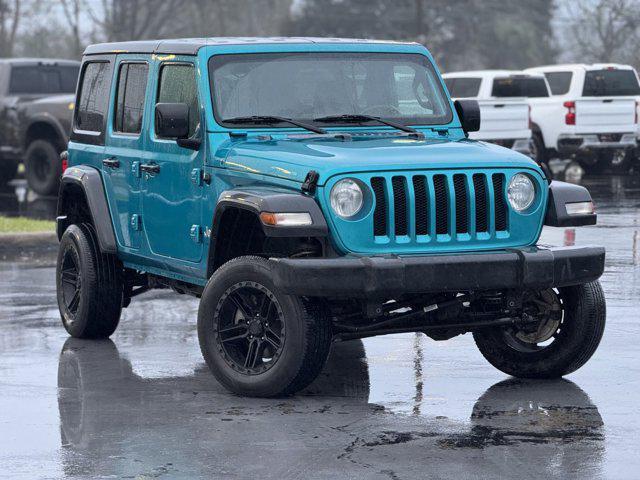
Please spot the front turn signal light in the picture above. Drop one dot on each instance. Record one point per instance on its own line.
(580, 208)
(293, 219)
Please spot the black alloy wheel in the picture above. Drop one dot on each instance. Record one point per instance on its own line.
(256, 339)
(71, 281)
(569, 324)
(249, 327)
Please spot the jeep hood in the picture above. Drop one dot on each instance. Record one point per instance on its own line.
(292, 157)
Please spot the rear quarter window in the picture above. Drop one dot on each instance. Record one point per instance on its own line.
(463, 87)
(610, 83)
(559, 82)
(534, 87)
(91, 108)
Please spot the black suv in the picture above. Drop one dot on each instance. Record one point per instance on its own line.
(34, 129)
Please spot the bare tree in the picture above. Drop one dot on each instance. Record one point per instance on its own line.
(71, 10)
(9, 22)
(605, 31)
(121, 20)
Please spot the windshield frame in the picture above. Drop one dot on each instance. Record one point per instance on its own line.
(449, 116)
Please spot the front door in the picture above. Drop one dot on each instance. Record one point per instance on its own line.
(125, 147)
(172, 196)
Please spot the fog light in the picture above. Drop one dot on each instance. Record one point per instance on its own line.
(580, 208)
(299, 219)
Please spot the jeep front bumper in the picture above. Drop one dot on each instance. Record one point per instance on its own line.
(537, 267)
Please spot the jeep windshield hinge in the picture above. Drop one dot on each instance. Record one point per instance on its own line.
(310, 182)
(199, 177)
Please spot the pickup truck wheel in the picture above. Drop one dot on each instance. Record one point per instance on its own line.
(538, 150)
(571, 324)
(89, 284)
(43, 167)
(621, 161)
(256, 340)
(8, 171)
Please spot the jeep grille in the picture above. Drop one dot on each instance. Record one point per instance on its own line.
(432, 206)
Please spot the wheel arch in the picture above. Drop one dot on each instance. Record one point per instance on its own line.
(237, 217)
(82, 199)
(45, 127)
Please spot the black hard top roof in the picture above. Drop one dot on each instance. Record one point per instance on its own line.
(190, 46)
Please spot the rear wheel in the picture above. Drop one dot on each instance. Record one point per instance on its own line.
(43, 167)
(89, 284)
(570, 325)
(621, 161)
(257, 340)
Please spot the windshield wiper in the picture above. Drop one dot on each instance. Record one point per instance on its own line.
(359, 117)
(274, 119)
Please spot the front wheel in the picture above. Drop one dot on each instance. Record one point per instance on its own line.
(570, 325)
(257, 340)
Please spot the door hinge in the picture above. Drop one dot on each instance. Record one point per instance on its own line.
(135, 169)
(136, 221)
(199, 176)
(196, 233)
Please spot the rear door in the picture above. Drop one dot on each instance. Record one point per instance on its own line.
(608, 102)
(125, 145)
(172, 195)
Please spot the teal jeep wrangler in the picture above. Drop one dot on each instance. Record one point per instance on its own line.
(309, 191)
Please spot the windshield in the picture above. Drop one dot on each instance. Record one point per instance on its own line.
(610, 83)
(520, 87)
(308, 86)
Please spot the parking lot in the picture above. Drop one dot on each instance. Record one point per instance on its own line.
(144, 405)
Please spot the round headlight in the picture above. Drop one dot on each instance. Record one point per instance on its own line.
(520, 192)
(346, 198)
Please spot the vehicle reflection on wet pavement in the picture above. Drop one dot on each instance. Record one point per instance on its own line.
(143, 404)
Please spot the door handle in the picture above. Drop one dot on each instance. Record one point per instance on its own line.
(150, 168)
(111, 162)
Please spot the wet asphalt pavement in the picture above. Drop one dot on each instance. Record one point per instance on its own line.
(143, 405)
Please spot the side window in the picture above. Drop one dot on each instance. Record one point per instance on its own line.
(94, 97)
(178, 85)
(132, 86)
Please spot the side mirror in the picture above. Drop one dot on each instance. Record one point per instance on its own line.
(469, 113)
(172, 120)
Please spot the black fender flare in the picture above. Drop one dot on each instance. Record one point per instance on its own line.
(561, 193)
(273, 201)
(257, 201)
(89, 180)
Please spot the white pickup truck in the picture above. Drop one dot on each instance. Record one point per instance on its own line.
(503, 98)
(592, 115)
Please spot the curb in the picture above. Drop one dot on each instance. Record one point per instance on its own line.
(38, 246)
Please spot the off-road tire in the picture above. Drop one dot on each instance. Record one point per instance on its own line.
(8, 171)
(581, 331)
(99, 301)
(43, 167)
(307, 334)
